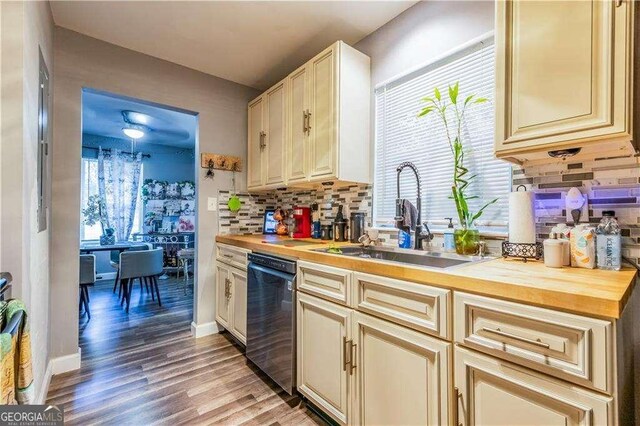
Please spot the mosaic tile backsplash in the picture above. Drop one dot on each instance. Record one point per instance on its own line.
(249, 220)
(611, 184)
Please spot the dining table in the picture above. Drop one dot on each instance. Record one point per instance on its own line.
(87, 247)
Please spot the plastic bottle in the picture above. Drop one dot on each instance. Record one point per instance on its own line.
(449, 240)
(404, 239)
(608, 242)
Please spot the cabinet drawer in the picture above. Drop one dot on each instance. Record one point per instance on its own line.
(571, 347)
(234, 256)
(325, 281)
(414, 305)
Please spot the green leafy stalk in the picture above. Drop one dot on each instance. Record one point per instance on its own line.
(461, 180)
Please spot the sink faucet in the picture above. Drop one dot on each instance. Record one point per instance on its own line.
(421, 235)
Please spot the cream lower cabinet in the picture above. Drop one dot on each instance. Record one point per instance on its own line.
(238, 297)
(400, 376)
(493, 392)
(223, 300)
(323, 333)
(364, 370)
(231, 300)
(231, 290)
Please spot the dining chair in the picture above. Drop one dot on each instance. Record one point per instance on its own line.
(185, 256)
(142, 265)
(115, 261)
(87, 278)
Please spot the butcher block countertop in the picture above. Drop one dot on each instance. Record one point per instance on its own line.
(592, 292)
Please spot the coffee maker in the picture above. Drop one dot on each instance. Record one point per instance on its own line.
(302, 218)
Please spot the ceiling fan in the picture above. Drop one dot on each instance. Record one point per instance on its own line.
(138, 124)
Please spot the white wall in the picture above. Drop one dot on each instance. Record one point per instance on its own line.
(422, 33)
(81, 61)
(27, 27)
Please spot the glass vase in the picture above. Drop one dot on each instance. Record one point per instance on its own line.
(467, 240)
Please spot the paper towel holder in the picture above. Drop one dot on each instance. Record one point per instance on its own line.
(522, 251)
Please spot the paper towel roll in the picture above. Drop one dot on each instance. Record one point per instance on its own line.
(522, 217)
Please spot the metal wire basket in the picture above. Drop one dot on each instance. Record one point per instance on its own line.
(522, 251)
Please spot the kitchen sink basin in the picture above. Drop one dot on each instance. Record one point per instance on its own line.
(405, 256)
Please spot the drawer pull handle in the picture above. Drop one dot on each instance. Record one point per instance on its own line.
(227, 255)
(516, 337)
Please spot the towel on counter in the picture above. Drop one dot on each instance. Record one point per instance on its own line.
(410, 214)
(16, 381)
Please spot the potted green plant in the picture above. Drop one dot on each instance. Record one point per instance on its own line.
(452, 115)
(94, 213)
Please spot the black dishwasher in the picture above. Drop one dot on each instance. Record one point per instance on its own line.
(271, 319)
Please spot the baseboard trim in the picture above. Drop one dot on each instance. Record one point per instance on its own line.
(41, 398)
(63, 364)
(206, 329)
(106, 275)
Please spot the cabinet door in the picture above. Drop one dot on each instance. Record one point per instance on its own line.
(273, 153)
(223, 285)
(492, 392)
(256, 138)
(563, 72)
(401, 376)
(323, 134)
(298, 126)
(323, 329)
(239, 303)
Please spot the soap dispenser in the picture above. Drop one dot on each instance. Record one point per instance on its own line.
(449, 240)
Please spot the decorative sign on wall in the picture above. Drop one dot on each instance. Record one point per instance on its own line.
(220, 162)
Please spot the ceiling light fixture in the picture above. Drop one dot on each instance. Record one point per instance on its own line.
(133, 132)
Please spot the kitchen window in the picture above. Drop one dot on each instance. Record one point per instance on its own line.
(401, 136)
(89, 187)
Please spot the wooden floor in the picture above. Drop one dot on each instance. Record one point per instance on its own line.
(145, 368)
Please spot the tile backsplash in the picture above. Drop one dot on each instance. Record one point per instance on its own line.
(611, 184)
(249, 220)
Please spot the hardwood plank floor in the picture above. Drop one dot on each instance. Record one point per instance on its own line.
(145, 368)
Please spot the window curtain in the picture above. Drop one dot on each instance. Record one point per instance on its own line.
(118, 179)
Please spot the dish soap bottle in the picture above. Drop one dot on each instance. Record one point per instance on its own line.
(449, 241)
(608, 242)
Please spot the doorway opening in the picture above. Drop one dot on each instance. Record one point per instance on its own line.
(138, 222)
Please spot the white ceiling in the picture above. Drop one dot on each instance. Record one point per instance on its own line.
(102, 116)
(254, 43)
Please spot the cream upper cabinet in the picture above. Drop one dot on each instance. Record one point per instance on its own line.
(323, 334)
(298, 128)
(274, 150)
(401, 377)
(563, 77)
(322, 115)
(492, 392)
(327, 118)
(256, 137)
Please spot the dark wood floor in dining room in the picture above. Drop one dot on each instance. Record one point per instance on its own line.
(145, 368)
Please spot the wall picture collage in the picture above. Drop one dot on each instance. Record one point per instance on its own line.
(169, 207)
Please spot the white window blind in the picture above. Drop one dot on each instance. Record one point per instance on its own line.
(401, 136)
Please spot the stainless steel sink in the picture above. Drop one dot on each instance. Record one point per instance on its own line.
(412, 257)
